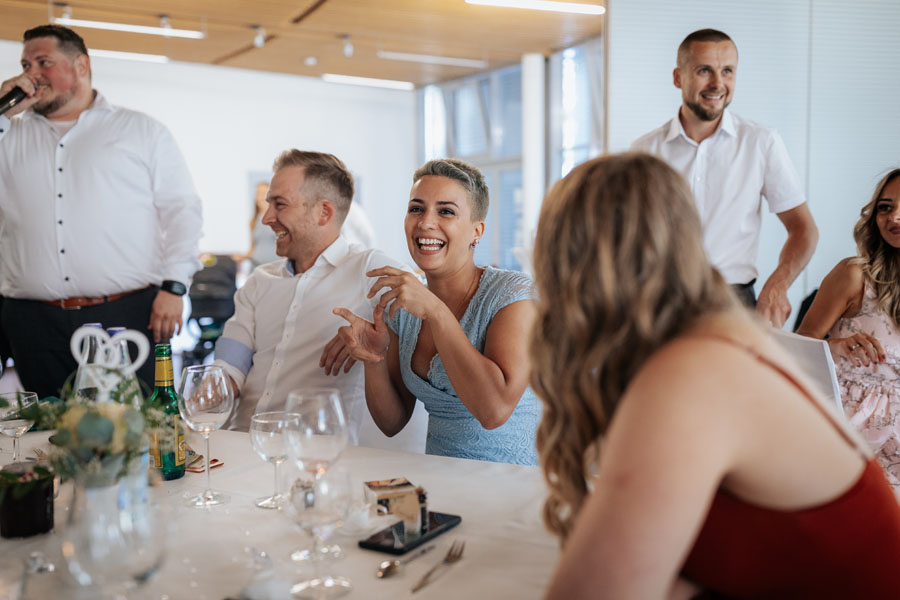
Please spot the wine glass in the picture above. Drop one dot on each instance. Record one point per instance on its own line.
(12, 422)
(267, 439)
(318, 506)
(205, 402)
(317, 437)
(315, 440)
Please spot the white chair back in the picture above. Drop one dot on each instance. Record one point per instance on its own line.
(814, 357)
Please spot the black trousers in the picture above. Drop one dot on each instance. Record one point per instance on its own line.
(745, 293)
(39, 336)
(5, 351)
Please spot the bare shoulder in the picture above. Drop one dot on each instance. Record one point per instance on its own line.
(847, 273)
(688, 375)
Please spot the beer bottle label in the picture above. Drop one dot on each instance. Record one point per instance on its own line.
(179, 444)
(164, 374)
(155, 455)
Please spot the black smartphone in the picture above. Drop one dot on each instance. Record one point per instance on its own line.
(397, 540)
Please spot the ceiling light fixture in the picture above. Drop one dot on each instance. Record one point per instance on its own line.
(348, 46)
(153, 58)
(567, 7)
(259, 40)
(368, 81)
(431, 59)
(165, 28)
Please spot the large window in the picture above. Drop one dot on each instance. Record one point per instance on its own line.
(576, 107)
(479, 120)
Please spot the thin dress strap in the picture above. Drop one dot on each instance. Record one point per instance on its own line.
(796, 383)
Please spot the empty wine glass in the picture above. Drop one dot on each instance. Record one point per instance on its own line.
(12, 422)
(267, 439)
(318, 506)
(205, 402)
(317, 437)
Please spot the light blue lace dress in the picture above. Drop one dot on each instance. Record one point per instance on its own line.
(452, 430)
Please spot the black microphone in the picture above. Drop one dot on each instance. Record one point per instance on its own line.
(11, 98)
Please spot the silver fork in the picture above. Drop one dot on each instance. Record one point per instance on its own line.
(454, 554)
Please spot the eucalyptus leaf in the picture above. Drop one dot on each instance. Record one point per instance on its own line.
(61, 438)
(83, 454)
(95, 430)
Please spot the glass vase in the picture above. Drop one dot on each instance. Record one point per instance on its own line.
(115, 538)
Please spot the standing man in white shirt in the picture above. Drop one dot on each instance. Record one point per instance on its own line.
(731, 164)
(283, 317)
(99, 220)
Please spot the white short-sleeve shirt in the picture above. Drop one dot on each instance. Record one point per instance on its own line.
(730, 173)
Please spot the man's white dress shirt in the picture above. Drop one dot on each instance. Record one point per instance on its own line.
(107, 207)
(730, 173)
(282, 322)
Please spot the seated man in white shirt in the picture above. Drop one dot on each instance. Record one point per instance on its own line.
(283, 314)
(731, 164)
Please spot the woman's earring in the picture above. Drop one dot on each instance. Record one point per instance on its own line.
(474, 243)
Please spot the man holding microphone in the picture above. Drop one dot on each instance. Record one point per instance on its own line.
(99, 219)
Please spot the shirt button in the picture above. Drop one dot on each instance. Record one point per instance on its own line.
(60, 169)
(61, 146)
(59, 195)
(63, 251)
(67, 278)
(60, 221)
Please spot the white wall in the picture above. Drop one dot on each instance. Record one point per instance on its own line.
(229, 122)
(823, 72)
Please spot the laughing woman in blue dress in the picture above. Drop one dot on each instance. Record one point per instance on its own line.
(459, 344)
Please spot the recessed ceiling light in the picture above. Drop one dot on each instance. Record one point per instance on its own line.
(154, 58)
(368, 81)
(568, 7)
(431, 59)
(163, 31)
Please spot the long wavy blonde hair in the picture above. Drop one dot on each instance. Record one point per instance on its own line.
(879, 260)
(620, 270)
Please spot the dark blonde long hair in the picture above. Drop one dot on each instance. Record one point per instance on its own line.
(620, 270)
(879, 260)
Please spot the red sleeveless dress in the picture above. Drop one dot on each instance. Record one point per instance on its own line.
(847, 548)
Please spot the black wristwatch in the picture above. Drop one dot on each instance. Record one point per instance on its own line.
(173, 287)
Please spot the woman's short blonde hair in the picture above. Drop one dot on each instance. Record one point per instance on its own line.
(466, 175)
(620, 270)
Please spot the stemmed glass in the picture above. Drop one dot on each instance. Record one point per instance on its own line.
(317, 437)
(267, 439)
(12, 422)
(318, 506)
(315, 440)
(205, 402)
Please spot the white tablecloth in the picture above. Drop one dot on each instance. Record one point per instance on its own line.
(508, 552)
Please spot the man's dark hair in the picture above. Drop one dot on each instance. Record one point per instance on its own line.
(701, 35)
(67, 40)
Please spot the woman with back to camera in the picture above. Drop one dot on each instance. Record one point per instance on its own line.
(683, 449)
(458, 344)
(858, 306)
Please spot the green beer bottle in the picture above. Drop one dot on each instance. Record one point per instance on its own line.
(167, 453)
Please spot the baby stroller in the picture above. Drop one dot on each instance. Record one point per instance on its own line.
(212, 303)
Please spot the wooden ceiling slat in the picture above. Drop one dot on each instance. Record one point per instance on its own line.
(436, 27)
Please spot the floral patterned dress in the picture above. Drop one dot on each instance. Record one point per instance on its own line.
(871, 395)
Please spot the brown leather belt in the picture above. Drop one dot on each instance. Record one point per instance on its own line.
(77, 302)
